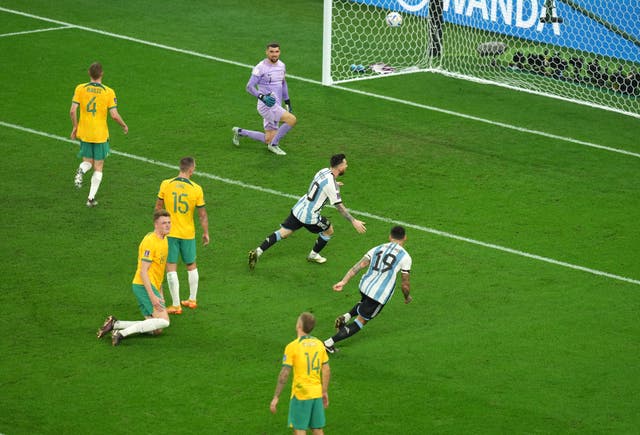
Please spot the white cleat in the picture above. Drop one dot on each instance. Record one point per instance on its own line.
(235, 139)
(316, 258)
(276, 150)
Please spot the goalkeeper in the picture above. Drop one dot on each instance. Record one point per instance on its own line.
(268, 85)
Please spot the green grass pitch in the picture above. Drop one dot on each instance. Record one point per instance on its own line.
(521, 211)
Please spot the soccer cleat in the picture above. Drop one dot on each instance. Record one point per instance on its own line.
(276, 150)
(91, 202)
(253, 259)
(316, 258)
(172, 309)
(330, 349)
(235, 139)
(191, 303)
(106, 326)
(116, 338)
(340, 322)
(77, 180)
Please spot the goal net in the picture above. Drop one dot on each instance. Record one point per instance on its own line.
(586, 51)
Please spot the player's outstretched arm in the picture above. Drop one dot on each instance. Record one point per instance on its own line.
(351, 273)
(357, 224)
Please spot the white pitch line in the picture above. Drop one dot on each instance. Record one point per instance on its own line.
(342, 88)
(26, 32)
(356, 212)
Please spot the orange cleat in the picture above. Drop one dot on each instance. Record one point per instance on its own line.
(190, 304)
(172, 309)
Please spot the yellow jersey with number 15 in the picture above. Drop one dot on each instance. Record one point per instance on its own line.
(181, 197)
(94, 101)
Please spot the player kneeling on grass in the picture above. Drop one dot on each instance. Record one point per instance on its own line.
(376, 286)
(147, 285)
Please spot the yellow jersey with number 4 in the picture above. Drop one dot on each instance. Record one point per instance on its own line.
(306, 355)
(181, 197)
(94, 101)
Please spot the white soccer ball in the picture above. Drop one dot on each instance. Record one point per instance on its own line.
(394, 19)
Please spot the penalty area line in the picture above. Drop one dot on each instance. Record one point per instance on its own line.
(356, 212)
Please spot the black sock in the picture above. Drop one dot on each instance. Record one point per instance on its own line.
(346, 331)
(320, 244)
(269, 242)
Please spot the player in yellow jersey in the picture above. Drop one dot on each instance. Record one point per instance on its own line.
(94, 100)
(147, 285)
(307, 357)
(182, 196)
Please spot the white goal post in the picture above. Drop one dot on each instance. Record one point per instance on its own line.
(584, 51)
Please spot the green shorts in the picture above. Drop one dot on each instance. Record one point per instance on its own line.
(306, 414)
(144, 303)
(95, 151)
(184, 248)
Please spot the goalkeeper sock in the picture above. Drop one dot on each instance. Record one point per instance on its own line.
(270, 241)
(282, 130)
(174, 288)
(255, 135)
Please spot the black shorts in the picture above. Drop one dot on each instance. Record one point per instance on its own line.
(292, 223)
(369, 308)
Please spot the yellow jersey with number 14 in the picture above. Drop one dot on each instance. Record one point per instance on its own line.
(306, 355)
(94, 101)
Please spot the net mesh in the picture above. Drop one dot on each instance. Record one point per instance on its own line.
(587, 51)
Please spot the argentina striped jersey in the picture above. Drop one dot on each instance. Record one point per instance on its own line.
(386, 261)
(323, 188)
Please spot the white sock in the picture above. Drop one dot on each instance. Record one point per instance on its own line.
(145, 326)
(259, 251)
(329, 342)
(347, 317)
(193, 283)
(85, 166)
(123, 324)
(96, 178)
(174, 288)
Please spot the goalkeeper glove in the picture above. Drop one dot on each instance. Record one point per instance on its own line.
(287, 103)
(269, 100)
